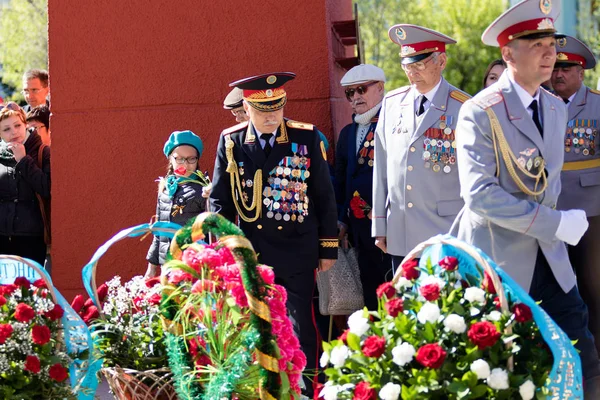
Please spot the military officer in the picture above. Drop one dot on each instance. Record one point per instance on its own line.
(415, 184)
(234, 103)
(271, 173)
(580, 175)
(354, 161)
(510, 154)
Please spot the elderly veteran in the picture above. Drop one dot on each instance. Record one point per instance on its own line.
(234, 102)
(415, 185)
(271, 173)
(580, 174)
(511, 194)
(354, 161)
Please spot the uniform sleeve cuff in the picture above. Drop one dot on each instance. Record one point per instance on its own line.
(328, 248)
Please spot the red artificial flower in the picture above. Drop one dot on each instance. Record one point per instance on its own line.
(318, 388)
(410, 269)
(58, 372)
(154, 299)
(88, 303)
(394, 306)
(40, 334)
(102, 292)
(522, 313)
(431, 356)
(344, 336)
(32, 364)
(488, 284)
(181, 170)
(22, 282)
(5, 331)
(483, 334)
(203, 285)
(150, 283)
(364, 392)
(77, 303)
(40, 284)
(359, 207)
(373, 346)
(56, 313)
(90, 314)
(449, 263)
(2, 301)
(386, 289)
(431, 292)
(24, 312)
(7, 290)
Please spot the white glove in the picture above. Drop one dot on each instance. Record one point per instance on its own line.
(572, 226)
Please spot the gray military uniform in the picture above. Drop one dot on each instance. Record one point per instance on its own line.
(415, 185)
(581, 188)
(499, 218)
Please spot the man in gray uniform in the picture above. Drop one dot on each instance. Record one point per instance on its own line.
(580, 174)
(510, 154)
(415, 184)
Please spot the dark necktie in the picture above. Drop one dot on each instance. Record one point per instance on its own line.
(421, 109)
(566, 101)
(536, 116)
(267, 138)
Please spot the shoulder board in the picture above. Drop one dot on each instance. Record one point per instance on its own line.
(595, 91)
(460, 96)
(299, 125)
(488, 100)
(235, 128)
(550, 93)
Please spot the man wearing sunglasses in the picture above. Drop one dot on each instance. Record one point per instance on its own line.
(416, 193)
(354, 160)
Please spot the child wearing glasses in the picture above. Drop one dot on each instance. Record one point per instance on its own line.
(182, 193)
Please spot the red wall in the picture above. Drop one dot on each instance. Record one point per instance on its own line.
(125, 74)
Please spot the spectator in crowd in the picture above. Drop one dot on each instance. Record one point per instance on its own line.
(354, 160)
(416, 194)
(493, 72)
(580, 183)
(234, 103)
(35, 88)
(38, 119)
(24, 186)
(179, 199)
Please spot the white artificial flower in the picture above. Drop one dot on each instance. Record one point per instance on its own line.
(324, 359)
(402, 283)
(330, 391)
(428, 313)
(432, 280)
(498, 379)
(390, 391)
(527, 390)
(475, 295)
(474, 311)
(358, 324)
(338, 356)
(403, 354)
(481, 368)
(494, 316)
(455, 323)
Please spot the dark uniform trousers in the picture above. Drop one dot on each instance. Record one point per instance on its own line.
(295, 223)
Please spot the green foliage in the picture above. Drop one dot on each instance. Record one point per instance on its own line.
(588, 31)
(23, 39)
(463, 20)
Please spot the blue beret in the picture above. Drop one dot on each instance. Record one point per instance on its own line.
(324, 139)
(180, 138)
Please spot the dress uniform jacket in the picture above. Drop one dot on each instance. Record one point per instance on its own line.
(499, 218)
(297, 224)
(581, 187)
(415, 186)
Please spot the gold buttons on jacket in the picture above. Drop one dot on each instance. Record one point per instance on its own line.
(408, 187)
(258, 226)
(412, 149)
(280, 227)
(410, 167)
(410, 205)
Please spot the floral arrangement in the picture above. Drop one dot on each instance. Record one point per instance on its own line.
(438, 335)
(34, 364)
(86, 308)
(129, 332)
(217, 347)
(360, 208)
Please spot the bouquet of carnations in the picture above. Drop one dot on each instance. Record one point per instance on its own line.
(33, 363)
(359, 207)
(227, 318)
(445, 331)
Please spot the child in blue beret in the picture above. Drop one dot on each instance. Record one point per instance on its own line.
(182, 193)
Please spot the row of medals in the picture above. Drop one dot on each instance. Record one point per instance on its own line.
(580, 140)
(286, 197)
(439, 146)
(367, 152)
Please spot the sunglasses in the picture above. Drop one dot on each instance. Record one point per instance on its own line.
(362, 89)
(11, 105)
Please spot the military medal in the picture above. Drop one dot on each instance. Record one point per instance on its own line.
(447, 169)
(529, 164)
(436, 168)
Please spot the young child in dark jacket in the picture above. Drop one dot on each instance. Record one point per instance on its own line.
(182, 194)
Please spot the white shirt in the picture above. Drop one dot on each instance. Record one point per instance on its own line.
(263, 141)
(429, 96)
(571, 97)
(525, 97)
